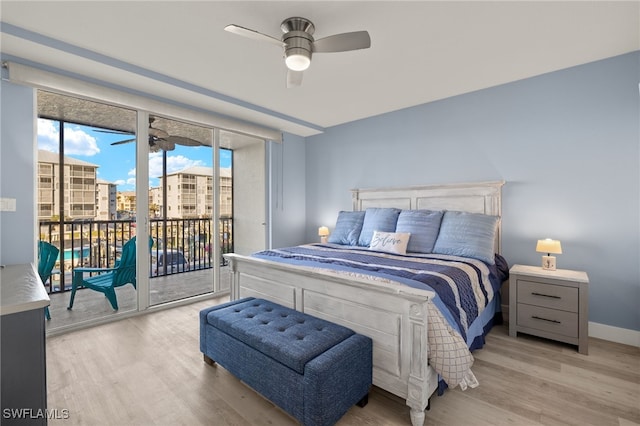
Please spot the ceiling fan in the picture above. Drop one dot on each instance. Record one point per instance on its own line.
(158, 138)
(299, 44)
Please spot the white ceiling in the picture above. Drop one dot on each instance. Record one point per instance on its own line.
(421, 50)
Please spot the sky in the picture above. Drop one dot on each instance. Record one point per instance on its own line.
(117, 163)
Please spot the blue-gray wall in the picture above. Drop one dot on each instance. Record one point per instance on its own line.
(287, 191)
(566, 143)
(17, 173)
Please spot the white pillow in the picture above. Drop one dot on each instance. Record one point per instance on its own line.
(390, 242)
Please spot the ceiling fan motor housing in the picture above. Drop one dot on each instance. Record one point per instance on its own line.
(298, 40)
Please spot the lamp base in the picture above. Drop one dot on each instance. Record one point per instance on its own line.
(323, 240)
(549, 263)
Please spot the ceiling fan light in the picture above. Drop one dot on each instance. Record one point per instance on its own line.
(298, 59)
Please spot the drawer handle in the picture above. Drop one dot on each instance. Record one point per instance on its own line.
(546, 295)
(545, 319)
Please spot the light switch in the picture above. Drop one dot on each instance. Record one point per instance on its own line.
(7, 204)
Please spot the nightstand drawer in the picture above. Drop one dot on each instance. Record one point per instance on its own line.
(548, 295)
(550, 320)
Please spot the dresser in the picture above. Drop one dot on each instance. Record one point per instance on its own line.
(23, 363)
(549, 304)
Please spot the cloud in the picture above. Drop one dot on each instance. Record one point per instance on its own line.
(47, 135)
(180, 162)
(76, 141)
(175, 163)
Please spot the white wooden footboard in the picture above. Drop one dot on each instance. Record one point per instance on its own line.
(393, 315)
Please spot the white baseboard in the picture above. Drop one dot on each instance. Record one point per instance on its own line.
(614, 334)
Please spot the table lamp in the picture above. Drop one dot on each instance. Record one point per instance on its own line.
(323, 231)
(549, 246)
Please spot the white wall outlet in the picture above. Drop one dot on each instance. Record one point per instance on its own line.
(7, 204)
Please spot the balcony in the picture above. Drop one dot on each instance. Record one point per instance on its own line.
(90, 305)
(186, 243)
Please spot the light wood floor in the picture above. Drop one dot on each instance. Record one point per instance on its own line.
(148, 370)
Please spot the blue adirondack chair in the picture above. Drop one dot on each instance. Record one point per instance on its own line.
(47, 257)
(107, 279)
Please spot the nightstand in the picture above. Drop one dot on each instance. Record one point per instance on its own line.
(549, 304)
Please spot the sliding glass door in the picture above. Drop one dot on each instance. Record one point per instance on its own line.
(181, 210)
(84, 203)
(193, 191)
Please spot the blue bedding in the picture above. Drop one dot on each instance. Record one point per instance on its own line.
(467, 289)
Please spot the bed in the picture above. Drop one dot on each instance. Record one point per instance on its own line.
(367, 291)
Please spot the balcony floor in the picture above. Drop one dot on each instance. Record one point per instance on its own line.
(91, 305)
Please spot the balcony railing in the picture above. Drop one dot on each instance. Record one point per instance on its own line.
(179, 245)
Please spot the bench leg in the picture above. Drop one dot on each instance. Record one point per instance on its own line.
(208, 360)
(364, 401)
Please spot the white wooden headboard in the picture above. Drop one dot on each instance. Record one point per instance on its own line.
(476, 197)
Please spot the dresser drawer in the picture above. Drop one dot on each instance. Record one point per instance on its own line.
(550, 320)
(548, 295)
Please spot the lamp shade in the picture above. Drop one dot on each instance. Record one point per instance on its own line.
(323, 231)
(549, 246)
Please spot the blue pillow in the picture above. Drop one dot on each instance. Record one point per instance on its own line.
(348, 227)
(377, 219)
(467, 235)
(423, 225)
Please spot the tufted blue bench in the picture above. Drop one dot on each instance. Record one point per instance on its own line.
(313, 369)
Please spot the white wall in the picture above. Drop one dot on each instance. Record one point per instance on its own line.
(249, 198)
(566, 143)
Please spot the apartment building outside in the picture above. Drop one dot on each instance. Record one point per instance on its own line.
(106, 200)
(79, 187)
(126, 202)
(189, 192)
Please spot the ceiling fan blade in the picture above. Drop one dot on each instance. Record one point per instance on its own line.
(181, 140)
(166, 145)
(246, 32)
(158, 133)
(115, 132)
(294, 78)
(122, 142)
(343, 42)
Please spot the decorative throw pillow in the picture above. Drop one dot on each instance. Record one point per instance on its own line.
(467, 235)
(423, 225)
(348, 227)
(377, 219)
(390, 242)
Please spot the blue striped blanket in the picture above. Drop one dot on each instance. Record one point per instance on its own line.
(466, 295)
(464, 286)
